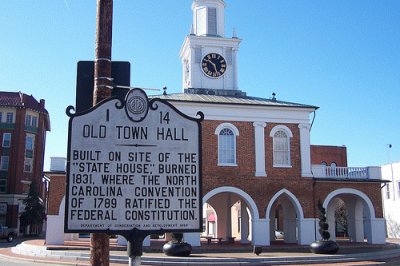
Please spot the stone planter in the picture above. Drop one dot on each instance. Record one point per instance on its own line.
(177, 249)
(324, 247)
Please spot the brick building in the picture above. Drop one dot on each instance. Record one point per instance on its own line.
(24, 122)
(256, 153)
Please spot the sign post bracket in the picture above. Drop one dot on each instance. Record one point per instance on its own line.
(135, 246)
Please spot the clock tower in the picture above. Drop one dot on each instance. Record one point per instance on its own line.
(209, 59)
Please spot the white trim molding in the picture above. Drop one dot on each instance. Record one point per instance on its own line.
(305, 150)
(259, 143)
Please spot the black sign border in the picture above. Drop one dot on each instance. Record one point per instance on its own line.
(135, 231)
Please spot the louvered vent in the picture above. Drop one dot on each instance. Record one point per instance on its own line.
(197, 55)
(212, 21)
(228, 56)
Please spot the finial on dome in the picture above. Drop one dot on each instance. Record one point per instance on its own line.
(234, 34)
(273, 97)
(191, 29)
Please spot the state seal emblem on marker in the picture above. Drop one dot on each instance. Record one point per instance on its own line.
(136, 105)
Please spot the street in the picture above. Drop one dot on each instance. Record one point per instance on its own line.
(4, 260)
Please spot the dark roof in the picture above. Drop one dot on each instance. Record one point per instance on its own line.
(21, 100)
(237, 100)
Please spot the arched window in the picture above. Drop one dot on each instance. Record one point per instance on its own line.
(226, 144)
(333, 169)
(281, 146)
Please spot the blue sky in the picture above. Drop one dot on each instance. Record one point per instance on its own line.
(343, 56)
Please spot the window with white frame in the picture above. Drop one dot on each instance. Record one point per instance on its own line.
(29, 142)
(28, 119)
(29, 151)
(281, 146)
(333, 169)
(28, 163)
(227, 144)
(6, 140)
(4, 162)
(34, 122)
(10, 117)
(387, 191)
(398, 188)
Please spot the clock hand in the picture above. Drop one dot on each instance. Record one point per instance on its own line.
(215, 67)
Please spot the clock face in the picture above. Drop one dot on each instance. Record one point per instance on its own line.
(213, 65)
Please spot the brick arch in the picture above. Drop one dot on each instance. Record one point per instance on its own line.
(246, 197)
(281, 127)
(350, 191)
(227, 125)
(292, 198)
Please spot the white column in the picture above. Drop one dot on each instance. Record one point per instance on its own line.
(305, 150)
(289, 227)
(260, 232)
(259, 142)
(192, 239)
(192, 63)
(351, 221)
(244, 230)
(55, 235)
(307, 231)
(228, 221)
(330, 219)
(359, 220)
(272, 224)
(378, 231)
(235, 69)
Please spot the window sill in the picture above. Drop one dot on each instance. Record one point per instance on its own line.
(227, 164)
(282, 166)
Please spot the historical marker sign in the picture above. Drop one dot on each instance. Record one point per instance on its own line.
(133, 164)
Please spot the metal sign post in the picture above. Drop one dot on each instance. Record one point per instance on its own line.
(133, 169)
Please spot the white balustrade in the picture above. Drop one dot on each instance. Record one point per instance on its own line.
(321, 171)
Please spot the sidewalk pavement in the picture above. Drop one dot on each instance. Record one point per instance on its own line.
(279, 253)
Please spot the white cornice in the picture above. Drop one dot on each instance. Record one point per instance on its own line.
(248, 113)
(208, 41)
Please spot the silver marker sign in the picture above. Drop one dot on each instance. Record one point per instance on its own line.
(133, 165)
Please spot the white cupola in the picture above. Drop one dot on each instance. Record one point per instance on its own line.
(208, 17)
(209, 60)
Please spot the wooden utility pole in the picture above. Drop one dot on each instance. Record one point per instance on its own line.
(100, 242)
(102, 63)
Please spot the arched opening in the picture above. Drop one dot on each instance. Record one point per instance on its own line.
(209, 221)
(228, 214)
(349, 214)
(285, 213)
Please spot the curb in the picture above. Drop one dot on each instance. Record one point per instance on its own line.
(40, 253)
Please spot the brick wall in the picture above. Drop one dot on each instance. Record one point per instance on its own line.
(372, 190)
(329, 154)
(56, 192)
(242, 176)
(261, 189)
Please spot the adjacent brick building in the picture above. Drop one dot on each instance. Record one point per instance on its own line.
(24, 122)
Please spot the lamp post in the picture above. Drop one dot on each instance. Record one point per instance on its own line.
(391, 171)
